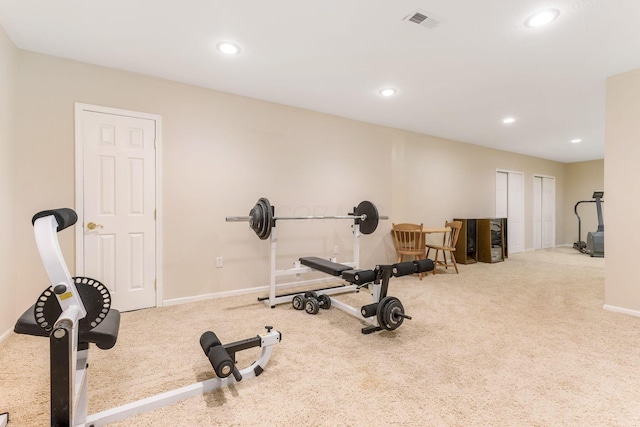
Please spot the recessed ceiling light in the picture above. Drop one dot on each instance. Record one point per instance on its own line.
(575, 141)
(542, 18)
(389, 91)
(228, 48)
(508, 120)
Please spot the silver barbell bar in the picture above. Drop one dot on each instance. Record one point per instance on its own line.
(362, 217)
(261, 218)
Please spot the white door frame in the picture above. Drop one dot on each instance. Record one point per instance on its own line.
(79, 109)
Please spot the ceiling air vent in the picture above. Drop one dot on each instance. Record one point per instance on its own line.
(423, 18)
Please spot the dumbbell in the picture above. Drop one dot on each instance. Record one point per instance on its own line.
(311, 302)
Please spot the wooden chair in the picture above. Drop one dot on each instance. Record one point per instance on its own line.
(409, 240)
(449, 241)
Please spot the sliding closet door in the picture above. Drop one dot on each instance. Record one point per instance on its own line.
(544, 212)
(510, 205)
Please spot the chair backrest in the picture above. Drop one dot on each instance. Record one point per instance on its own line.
(451, 238)
(408, 238)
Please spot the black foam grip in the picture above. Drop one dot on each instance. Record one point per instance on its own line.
(365, 276)
(66, 217)
(359, 277)
(403, 268)
(209, 340)
(369, 310)
(221, 361)
(424, 265)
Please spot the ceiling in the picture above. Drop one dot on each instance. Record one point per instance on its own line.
(456, 81)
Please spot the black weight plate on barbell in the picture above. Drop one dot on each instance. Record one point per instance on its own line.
(370, 224)
(267, 218)
(95, 298)
(258, 221)
(256, 217)
(386, 313)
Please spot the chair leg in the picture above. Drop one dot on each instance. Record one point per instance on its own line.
(435, 262)
(418, 259)
(453, 259)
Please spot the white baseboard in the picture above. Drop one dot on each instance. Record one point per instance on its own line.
(264, 289)
(5, 335)
(622, 310)
(185, 300)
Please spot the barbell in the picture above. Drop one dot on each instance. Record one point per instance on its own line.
(261, 218)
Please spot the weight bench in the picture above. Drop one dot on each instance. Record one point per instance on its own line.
(324, 265)
(347, 273)
(385, 312)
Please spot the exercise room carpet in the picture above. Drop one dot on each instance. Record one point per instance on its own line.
(519, 343)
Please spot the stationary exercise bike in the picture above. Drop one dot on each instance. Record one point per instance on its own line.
(76, 312)
(595, 240)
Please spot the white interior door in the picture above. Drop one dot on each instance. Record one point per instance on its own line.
(502, 194)
(544, 212)
(515, 223)
(510, 205)
(537, 212)
(548, 230)
(118, 206)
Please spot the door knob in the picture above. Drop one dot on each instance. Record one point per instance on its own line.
(93, 226)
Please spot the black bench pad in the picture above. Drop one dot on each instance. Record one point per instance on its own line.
(104, 335)
(324, 265)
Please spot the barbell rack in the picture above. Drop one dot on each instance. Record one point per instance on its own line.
(262, 220)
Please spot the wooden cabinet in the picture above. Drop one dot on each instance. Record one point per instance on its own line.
(492, 240)
(466, 247)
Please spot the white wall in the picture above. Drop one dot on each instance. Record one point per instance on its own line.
(8, 67)
(583, 178)
(222, 152)
(622, 156)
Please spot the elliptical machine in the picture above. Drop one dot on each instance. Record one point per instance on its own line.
(595, 240)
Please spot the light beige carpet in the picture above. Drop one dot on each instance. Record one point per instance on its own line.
(519, 343)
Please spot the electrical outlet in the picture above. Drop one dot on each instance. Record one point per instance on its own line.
(219, 262)
(336, 249)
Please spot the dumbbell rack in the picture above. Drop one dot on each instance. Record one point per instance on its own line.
(298, 269)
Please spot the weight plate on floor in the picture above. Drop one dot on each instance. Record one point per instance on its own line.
(370, 224)
(325, 302)
(311, 306)
(95, 298)
(298, 302)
